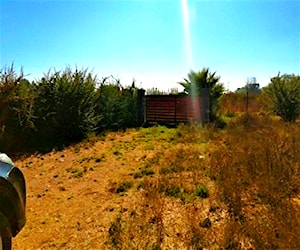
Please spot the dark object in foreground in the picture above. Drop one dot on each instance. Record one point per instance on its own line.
(12, 201)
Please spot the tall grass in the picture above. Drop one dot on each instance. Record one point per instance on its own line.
(257, 172)
(219, 189)
(61, 108)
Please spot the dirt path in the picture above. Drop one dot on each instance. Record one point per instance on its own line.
(69, 205)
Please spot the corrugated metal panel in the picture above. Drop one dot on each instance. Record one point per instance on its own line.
(162, 108)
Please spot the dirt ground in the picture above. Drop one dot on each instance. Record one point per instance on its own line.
(69, 205)
(71, 202)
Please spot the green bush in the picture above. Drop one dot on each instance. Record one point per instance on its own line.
(117, 105)
(61, 108)
(16, 110)
(202, 191)
(173, 191)
(144, 171)
(283, 94)
(124, 186)
(206, 85)
(65, 107)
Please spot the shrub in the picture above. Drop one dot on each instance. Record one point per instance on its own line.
(283, 94)
(173, 191)
(118, 105)
(16, 110)
(115, 231)
(144, 171)
(205, 84)
(65, 107)
(202, 191)
(124, 186)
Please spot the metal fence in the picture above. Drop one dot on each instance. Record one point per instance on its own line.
(172, 108)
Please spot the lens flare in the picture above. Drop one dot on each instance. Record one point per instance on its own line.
(189, 56)
(187, 35)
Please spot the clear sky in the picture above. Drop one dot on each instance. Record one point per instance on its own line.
(156, 42)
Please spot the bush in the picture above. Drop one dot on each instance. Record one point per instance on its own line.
(205, 84)
(16, 110)
(173, 191)
(283, 95)
(202, 191)
(65, 107)
(61, 108)
(118, 106)
(124, 186)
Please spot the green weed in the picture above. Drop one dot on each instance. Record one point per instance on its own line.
(76, 173)
(173, 191)
(202, 191)
(144, 171)
(115, 231)
(123, 186)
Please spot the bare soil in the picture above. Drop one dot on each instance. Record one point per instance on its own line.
(72, 202)
(69, 203)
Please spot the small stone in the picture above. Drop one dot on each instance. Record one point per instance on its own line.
(88, 220)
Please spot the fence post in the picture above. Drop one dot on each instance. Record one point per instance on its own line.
(205, 103)
(175, 111)
(140, 106)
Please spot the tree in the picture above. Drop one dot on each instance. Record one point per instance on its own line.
(283, 95)
(206, 85)
(251, 87)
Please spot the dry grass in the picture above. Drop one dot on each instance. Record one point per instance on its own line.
(257, 172)
(160, 188)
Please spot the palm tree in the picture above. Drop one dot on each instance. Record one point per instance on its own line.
(206, 85)
(199, 80)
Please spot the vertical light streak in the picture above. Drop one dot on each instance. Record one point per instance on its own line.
(189, 55)
(187, 35)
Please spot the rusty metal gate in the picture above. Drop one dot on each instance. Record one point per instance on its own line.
(172, 108)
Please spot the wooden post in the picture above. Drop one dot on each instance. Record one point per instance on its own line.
(205, 103)
(140, 106)
(247, 98)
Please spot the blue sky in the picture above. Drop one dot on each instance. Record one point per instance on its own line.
(148, 39)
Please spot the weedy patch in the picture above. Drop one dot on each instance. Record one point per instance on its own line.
(115, 232)
(123, 186)
(144, 171)
(202, 191)
(255, 166)
(198, 188)
(76, 172)
(173, 191)
(171, 169)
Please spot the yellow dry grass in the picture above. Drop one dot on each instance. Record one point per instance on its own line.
(143, 189)
(70, 202)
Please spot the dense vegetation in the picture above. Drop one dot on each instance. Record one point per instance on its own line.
(188, 187)
(206, 85)
(61, 108)
(283, 94)
(66, 106)
(169, 188)
(235, 188)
